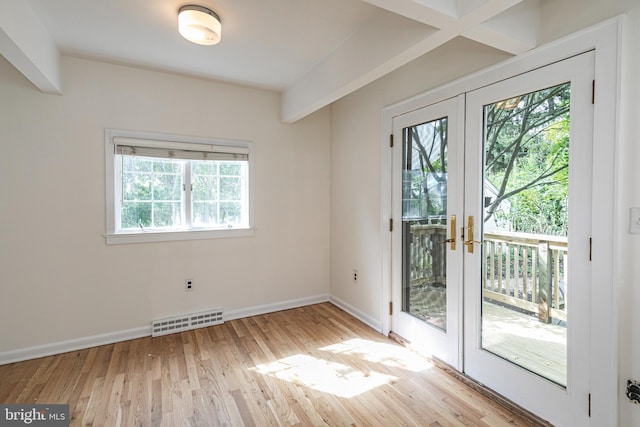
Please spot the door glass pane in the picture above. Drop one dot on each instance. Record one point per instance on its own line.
(526, 170)
(424, 217)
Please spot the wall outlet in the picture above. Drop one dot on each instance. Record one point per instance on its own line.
(355, 276)
(634, 220)
(633, 391)
(188, 284)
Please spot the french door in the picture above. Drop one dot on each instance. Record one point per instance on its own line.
(491, 267)
(427, 197)
(527, 285)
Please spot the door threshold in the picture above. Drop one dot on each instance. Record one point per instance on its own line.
(530, 417)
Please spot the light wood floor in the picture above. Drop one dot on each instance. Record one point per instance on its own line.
(309, 366)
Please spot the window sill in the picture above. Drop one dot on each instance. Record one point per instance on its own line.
(168, 236)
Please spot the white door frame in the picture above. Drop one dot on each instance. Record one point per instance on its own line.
(445, 345)
(603, 39)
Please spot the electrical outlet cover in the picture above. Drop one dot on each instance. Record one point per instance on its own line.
(634, 220)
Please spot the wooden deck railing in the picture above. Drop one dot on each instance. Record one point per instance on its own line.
(527, 271)
(428, 263)
(521, 270)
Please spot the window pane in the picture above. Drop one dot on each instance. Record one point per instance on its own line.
(167, 187)
(204, 168)
(205, 187)
(136, 164)
(230, 189)
(169, 166)
(230, 213)
(205, 214)
(151, 180)
(136, 214)
(526, 191)
(425, 180)
(167, 214)
(230, 168)
(217, 193)
(136, 186)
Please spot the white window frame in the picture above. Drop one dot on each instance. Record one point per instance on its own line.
(114, 236)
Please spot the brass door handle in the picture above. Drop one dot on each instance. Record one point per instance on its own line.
(452, 239)
(469, 242)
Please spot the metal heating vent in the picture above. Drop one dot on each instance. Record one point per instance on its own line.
(187, 322)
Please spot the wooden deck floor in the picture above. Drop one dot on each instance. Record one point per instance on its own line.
(312, 366)
(522, 339)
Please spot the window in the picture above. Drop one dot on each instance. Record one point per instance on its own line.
(165, 187)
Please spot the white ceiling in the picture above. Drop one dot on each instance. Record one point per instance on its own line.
(312, 51)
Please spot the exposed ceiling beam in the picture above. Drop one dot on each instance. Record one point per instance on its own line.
(26, 44)
(508, 25)
(385, 43)
(513, 30)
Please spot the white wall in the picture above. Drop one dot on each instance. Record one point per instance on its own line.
(60, 281)
(356, 122)
(355, 169)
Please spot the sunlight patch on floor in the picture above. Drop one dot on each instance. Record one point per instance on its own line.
(325, 376)
(387, 354)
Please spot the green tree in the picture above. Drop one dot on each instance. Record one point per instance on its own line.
(527, 160)
(426, 156)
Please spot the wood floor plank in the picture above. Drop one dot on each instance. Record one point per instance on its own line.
(311, 366)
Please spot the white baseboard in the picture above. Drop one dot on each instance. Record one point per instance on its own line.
(270, 308)
(368, 320)
(72, 345)
(35, 352)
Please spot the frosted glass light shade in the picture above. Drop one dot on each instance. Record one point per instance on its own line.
(199, 25)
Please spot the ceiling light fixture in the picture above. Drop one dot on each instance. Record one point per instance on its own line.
(199, 25)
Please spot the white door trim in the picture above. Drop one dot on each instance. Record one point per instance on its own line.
(604, 39)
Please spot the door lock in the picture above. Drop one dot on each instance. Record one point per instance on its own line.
(452, 239)
(469, 242)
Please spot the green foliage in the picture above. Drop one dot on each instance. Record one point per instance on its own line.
(527, 161)
(425, 169)
(152, 192)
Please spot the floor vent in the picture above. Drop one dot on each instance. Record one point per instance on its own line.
(186, 322)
